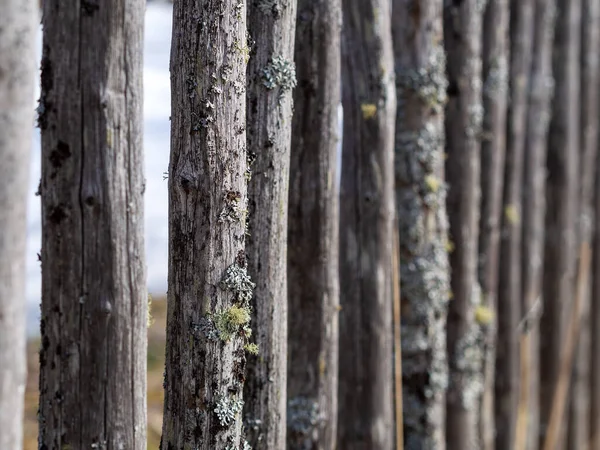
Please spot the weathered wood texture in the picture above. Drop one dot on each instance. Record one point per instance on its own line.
(209, 288)
(17, 75)
(541, 91)
(422, 221)
(464, 115)
(579, 412)
(493, 146)
(271, 79)
(509, 277)
(562, 192)
(366, 417)
(313, 283)
(595, 322)
(94, 299)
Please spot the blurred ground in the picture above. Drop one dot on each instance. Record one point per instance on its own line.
(156, 359)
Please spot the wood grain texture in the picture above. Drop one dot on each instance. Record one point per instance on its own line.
(422, 220)
(366, 417)
(313, 283)
(464, 115)
(562, 190)
(271, 78)
(541, 91)
(94, 299)
(580, 406)
(495, 64)
(509, 286)
(17, 76)
(209, 290)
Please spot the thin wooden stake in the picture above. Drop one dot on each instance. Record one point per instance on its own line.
(562, 387)
(397, 342)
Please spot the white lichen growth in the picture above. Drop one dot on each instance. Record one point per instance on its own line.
(429, 82)
(279, 73)
(227, 409)
(238, 281)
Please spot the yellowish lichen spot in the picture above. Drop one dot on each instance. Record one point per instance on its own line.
(368, 110)
(432, 182)
(483, 315)
(511, 214)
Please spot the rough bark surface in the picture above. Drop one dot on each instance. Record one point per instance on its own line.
(94, 299)
(562, 191)
(464, 115)
(509, 277)
(271, 78)
(366, 417)
(493, 147)
(422, 221)
(17, 77)
(579, 412)
(209, 288)
(541, 90)
(313, 283)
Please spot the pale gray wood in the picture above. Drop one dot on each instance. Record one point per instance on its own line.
(271, 79)
(366, 413)
(562, 191)
(94, 298)
(209, 289)
(464, 115)
(422, 219)
(495, 65)
(313, 279)
(17, 76)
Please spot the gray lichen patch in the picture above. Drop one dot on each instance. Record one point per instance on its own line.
(279, 73)
(237, 281)
(429, 82)
(496, 81)
(303, 422)
(467, 358)
(232, 209)
(474, 126)
(226, 409)
(205, 328)
(419, 153)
